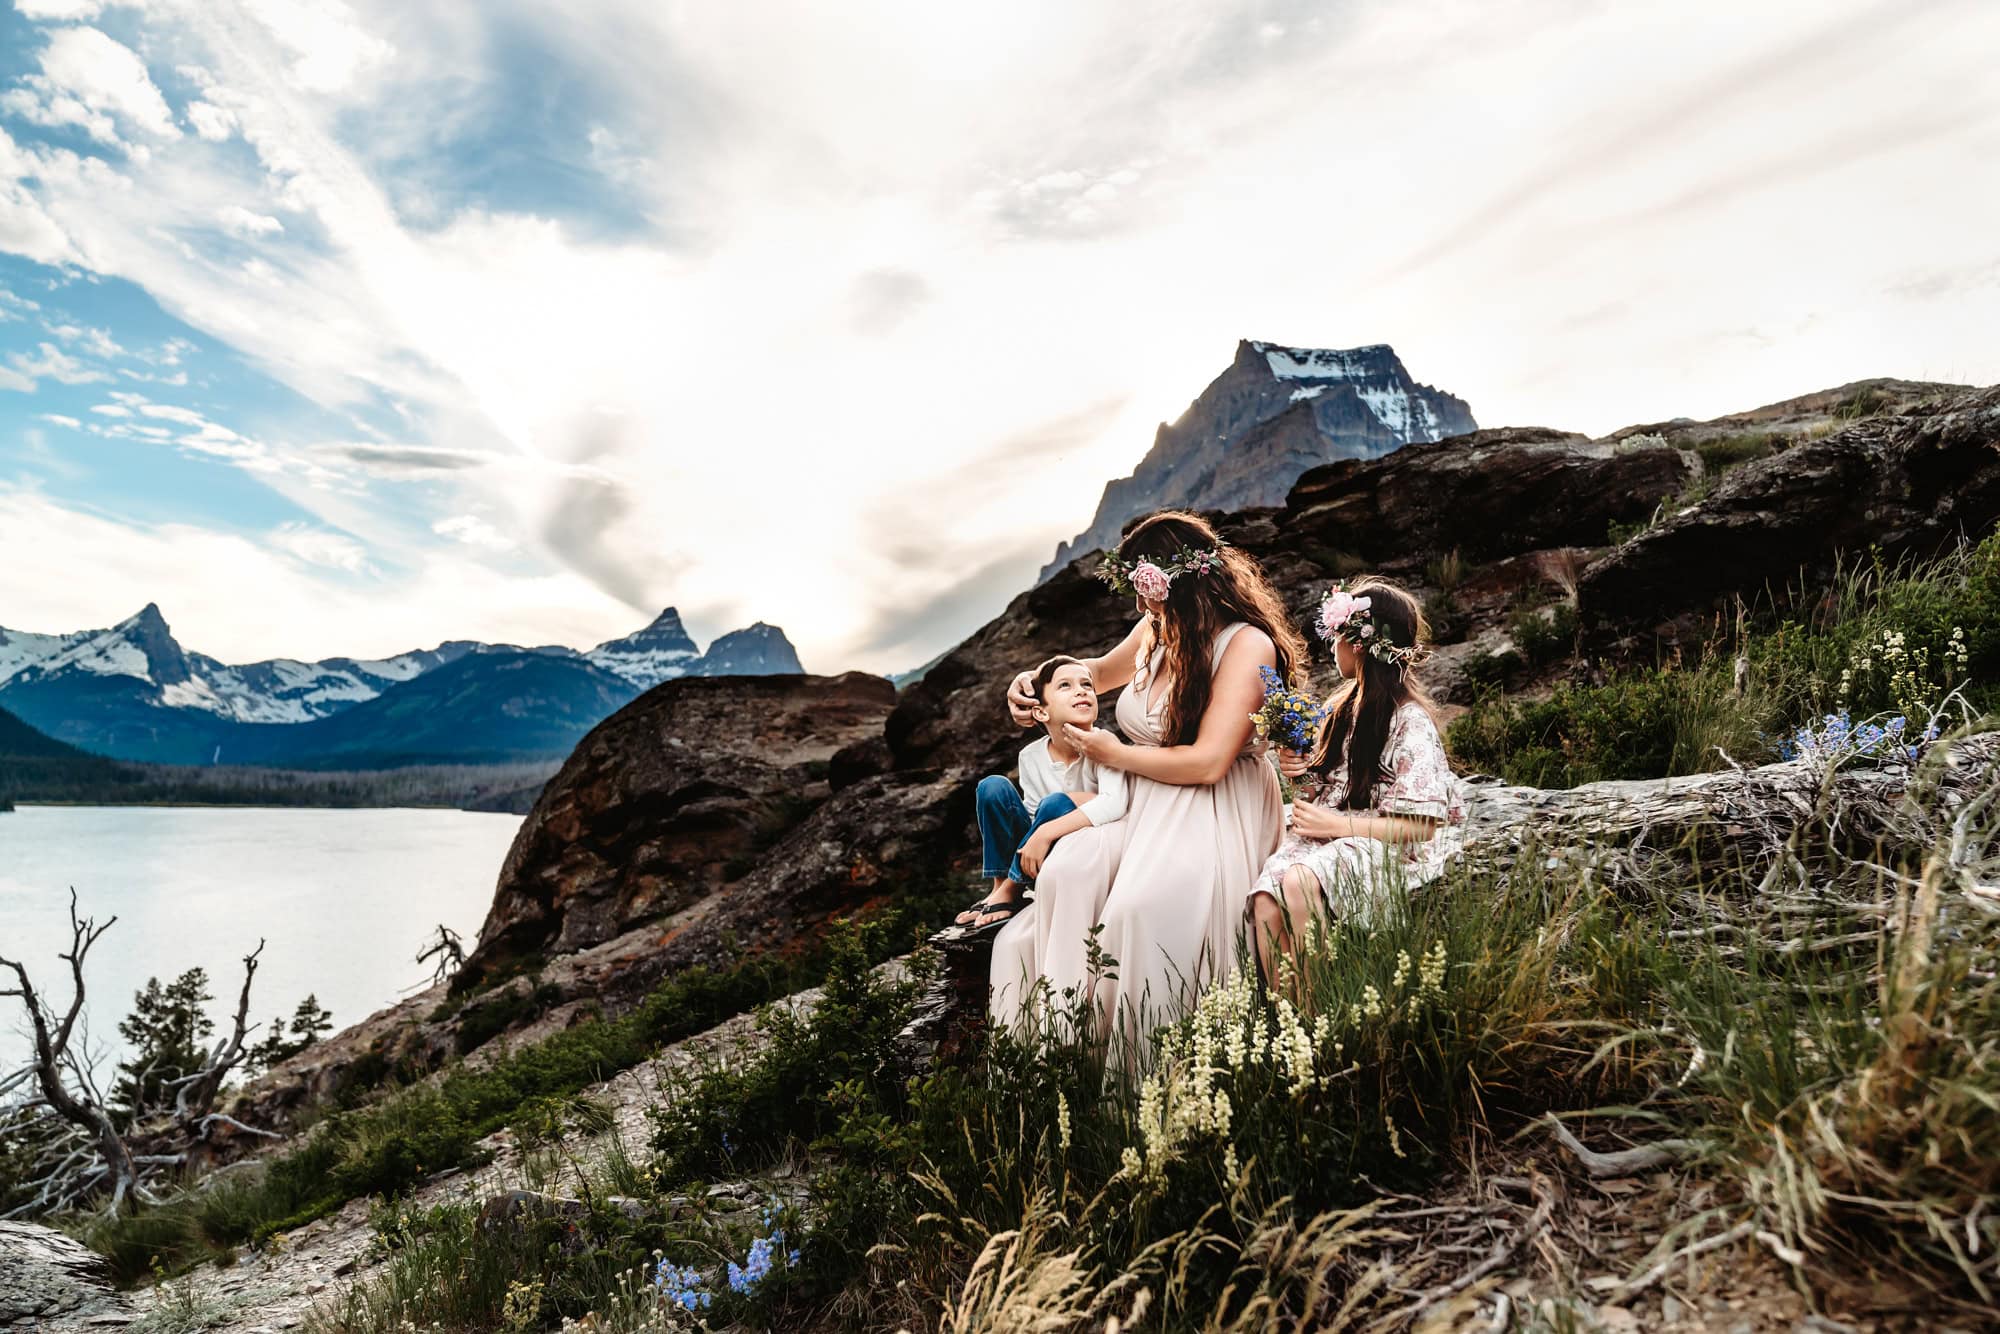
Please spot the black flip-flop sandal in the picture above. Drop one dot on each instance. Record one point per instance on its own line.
(1007, 908)
(978, 910)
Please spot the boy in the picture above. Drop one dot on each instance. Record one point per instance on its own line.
(1060, 793)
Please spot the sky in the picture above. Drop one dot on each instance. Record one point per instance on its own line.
(347, 328)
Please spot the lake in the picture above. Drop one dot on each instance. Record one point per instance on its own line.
(343, 899)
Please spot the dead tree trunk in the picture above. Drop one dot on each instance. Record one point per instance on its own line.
(52, 1055)
(195, 1094)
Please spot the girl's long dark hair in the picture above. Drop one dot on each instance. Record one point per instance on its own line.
(1199, 607)
(1367, 705)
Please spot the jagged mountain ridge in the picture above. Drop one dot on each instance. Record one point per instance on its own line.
(1272, 415)
(132, 692)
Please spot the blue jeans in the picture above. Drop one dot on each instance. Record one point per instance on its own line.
(1004, 825)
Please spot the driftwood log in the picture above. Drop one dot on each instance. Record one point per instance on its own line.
(1618, 832)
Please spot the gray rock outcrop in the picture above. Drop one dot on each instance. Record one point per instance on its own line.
(52, 1282)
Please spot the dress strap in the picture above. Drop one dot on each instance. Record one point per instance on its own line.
(1222, 639)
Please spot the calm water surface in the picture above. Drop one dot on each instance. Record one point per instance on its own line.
(344, 900)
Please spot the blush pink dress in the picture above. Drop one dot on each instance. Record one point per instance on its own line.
(1166, 884)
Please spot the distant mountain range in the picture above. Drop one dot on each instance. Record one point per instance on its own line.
(132, 692)
(1276, 412)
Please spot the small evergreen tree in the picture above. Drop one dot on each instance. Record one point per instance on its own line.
(310, 1023)
(167, 1028)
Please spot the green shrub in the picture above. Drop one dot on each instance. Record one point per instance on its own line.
(1720, 455)
(1544, 634)
(1640, 725)
(509, 1009)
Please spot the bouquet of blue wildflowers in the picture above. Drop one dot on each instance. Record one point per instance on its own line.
(1290, 718)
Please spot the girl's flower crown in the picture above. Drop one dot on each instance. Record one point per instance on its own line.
(1152, 578)
(1344, 616)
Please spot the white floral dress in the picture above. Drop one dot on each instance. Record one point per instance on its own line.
(1355, 873)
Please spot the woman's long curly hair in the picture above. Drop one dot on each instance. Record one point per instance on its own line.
(1199, 607)
(1367, 705)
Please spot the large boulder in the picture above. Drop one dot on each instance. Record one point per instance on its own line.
(1910, 483)
(666, 802)
(49, 1281)
(865, 849)
(1486, 495)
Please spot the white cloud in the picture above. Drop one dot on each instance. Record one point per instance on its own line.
(13, 307)
(15, 382)
(329, 47)
(59, 9)
(206, 578)
(473, 531)
(1087, 212)
(60, 420)
(172, 413)
(213, 123)
(317, 546)
(240, 221)
(111, 410)
(92, 81)
(97, 342)
(52, 363)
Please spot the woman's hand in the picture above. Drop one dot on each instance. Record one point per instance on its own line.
(1021, 700)
(1096, 744)
(1035, 851)
(1313, 821)
(1293, 764)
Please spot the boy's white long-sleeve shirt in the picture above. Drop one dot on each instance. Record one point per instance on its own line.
(1040, 777)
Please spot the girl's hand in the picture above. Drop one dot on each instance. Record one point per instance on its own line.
(1095, 744)
(1313, 821)
(1292, 763)
(1021, 699)
(1035, 851)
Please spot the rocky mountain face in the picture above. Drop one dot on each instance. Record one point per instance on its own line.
(132, 692)
(1276, 412)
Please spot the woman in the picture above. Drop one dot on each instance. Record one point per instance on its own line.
(1376, 798)
(1163, 886)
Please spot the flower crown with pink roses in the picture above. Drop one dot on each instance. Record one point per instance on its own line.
(1345, 616)
(1152, 578)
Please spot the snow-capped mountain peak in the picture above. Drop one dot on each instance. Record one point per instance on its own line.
(139, 661)
(660, 652)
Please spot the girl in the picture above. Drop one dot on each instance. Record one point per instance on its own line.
(1377, 791)
(1162, 887)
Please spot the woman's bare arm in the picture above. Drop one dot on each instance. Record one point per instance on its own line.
(1225, 726)
(1312, 821)
(1114, 669)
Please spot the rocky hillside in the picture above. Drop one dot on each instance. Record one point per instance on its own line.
(707, 818)
(1276, 412)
